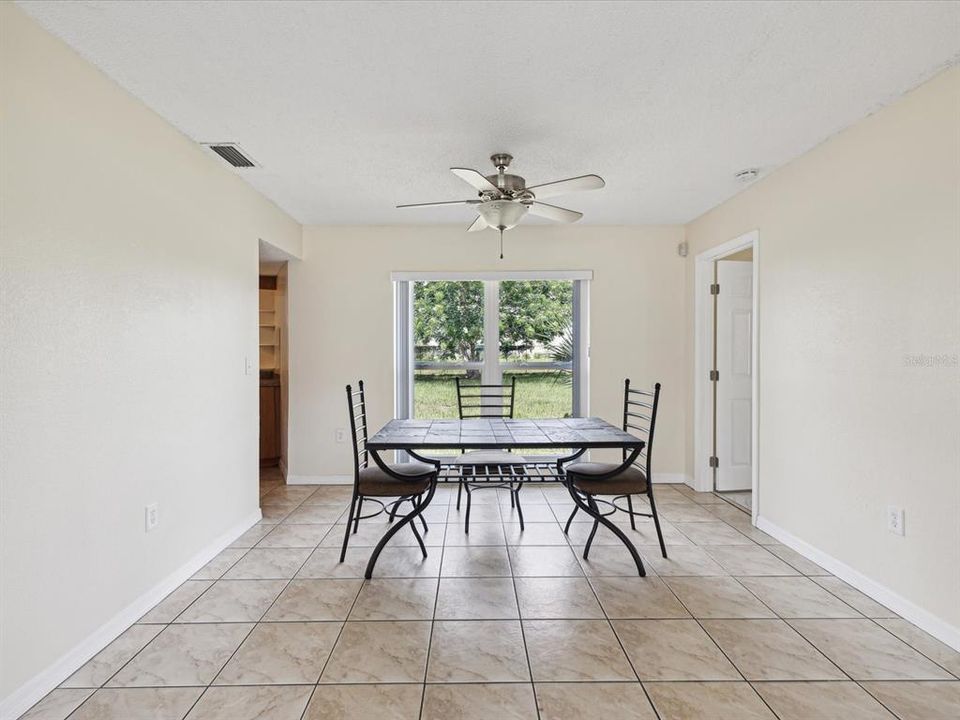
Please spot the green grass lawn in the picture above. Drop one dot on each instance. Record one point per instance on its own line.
(539, 395)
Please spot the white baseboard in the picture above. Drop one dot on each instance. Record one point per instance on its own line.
(925, 620)
(32, 691)
(319, 479)
(672, 478)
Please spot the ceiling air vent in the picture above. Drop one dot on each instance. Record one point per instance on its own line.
(232, 153)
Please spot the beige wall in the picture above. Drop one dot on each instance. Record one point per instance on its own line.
(859, 269)
(129, 288)
(341, 319)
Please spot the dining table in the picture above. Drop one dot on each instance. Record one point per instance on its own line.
(570, 438)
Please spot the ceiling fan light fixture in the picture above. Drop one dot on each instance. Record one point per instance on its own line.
(502, 214)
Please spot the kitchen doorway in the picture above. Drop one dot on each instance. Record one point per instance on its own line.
(274, 377)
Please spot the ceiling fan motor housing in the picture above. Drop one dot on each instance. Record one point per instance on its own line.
(508, 184)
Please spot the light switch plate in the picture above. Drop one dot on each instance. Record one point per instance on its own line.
(895, 520)
(151, 517)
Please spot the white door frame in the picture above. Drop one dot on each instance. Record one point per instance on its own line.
(703, 362)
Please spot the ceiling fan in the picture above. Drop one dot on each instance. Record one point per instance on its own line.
(504, 199)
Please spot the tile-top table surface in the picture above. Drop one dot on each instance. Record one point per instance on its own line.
(495, 434)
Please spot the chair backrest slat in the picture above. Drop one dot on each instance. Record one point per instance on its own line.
(358, 429)
(483, 400)
(641, 422)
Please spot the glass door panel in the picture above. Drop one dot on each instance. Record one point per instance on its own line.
(448, 342)
(536, 345)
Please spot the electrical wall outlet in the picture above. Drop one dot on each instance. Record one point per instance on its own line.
(895, 520)
(248, 365)
(151, 517)
(340, 435)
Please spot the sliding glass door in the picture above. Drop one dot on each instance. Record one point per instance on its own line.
(493, 331)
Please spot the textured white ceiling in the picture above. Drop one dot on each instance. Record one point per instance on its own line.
(353, 107)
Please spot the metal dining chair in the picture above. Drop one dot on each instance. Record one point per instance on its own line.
(591, 480)
(498, 468)
(377, 483)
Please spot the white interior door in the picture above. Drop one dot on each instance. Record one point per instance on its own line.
(734, 332)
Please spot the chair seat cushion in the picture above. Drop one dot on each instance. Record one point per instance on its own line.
(629, 482)
(489, 457)
(374, 482)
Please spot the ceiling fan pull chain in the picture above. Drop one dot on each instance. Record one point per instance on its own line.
(501, 243)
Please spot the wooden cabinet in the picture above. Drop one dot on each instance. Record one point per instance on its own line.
(269, 422)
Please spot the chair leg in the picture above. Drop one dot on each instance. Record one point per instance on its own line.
(614, 529)
(346, 534)
(394, 529)
(516, 493)
(656, 519)
(356, 521)
(593, 531)
(633, 523)
(512, 503)
(459, 492)
(566, 528)
(466, 524)
(413, 526)
(393, 510)
(422, 519)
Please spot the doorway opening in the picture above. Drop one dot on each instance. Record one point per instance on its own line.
(726, 380)
(274, 377)
(732, 361)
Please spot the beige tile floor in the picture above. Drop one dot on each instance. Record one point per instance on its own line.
(508, 625)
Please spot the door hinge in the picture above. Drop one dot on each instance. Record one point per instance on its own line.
(715, 289)
(714, 461)
(714, 375)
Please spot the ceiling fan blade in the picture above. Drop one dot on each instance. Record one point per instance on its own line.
(478, 224)
(552, 212)
(476, 179)
(438, 204)
(559, 187)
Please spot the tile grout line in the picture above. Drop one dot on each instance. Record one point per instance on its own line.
(643, 687)
(436, 600)
(874, 620)
(722, 652)
(333, 647)
(502, 523)
(263, 615)
(172, 621)
(103, 685)
(786, 622)
(523, 634)
(912, 647)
